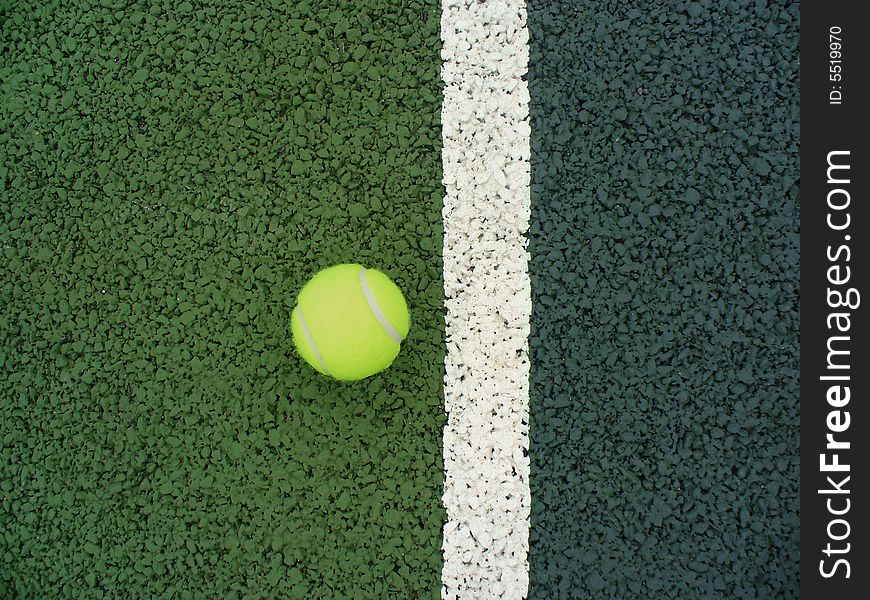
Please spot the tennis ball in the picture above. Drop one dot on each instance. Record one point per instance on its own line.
(349, 322)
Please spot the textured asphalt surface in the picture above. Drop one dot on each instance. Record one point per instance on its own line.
(664, 349)
(171, 176)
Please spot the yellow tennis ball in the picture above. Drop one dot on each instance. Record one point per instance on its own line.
(349, 322)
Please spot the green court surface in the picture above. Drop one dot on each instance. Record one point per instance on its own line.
(173, 172)
(171, 175)
(664, 241)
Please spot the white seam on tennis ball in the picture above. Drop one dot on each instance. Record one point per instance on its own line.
(376, 309)
(311, 340)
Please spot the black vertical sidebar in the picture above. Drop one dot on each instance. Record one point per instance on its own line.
(835, 226)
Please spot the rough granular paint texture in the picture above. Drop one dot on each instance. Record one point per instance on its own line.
(170, 175)
(664, 345)
(486, 280)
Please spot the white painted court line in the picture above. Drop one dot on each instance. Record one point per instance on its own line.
(488, 296)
